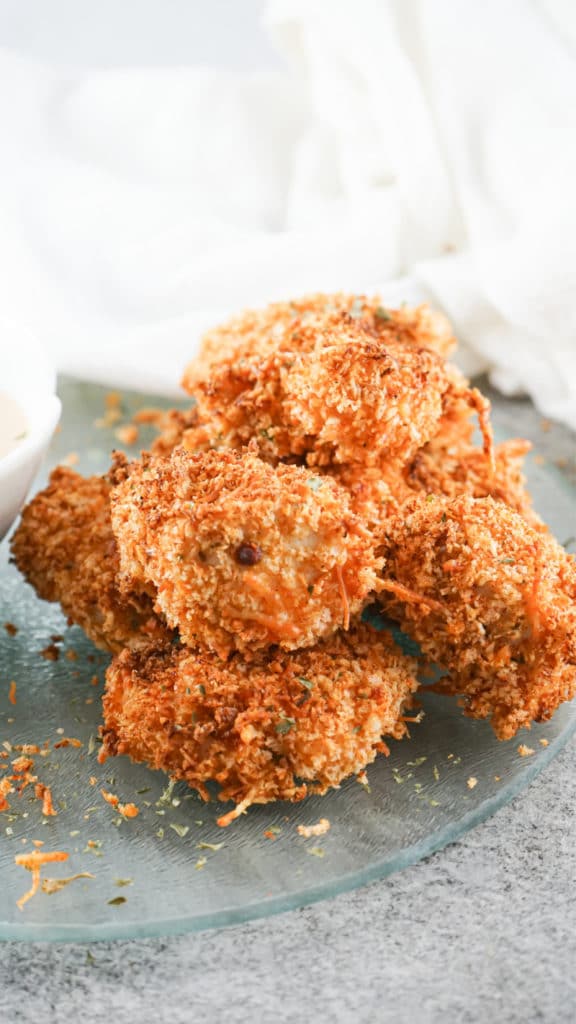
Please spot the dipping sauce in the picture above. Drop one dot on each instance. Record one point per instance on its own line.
(13, 424)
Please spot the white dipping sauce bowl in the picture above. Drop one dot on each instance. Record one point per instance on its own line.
(25, 375)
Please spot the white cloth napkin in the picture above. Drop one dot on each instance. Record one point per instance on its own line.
(431, 141)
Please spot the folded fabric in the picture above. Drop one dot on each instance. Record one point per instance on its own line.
(427, 145)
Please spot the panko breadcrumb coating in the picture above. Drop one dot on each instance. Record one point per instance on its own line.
(272, 729)
(240, 554)
(491, 600)
(65, 548)
(174, 428)
(334, 390)
(257, 332)
(451, 464)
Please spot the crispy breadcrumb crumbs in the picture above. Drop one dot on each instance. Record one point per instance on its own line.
(319, 829)
(127, 434)
(34, 862)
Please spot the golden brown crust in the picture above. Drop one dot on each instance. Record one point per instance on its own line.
(257, 332)
(451, 464)
(274, 728)
(490, 599)
(334, 389)
(241, 554)
(65, 548)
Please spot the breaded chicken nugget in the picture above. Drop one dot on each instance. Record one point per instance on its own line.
(241, 554)
(272, 729)
(334, 391)
(451, 464)
(258, 332)
(65, 548)
(491, 600)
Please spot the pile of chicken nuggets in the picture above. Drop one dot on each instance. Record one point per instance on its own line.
(327, 463)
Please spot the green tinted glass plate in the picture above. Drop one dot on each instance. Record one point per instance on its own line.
(183, 872)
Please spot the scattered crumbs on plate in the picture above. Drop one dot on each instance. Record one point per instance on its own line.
(316, 851)
(52, 885)
(362, 778)
(71, 654)
(50, 653)
(160, 833)
(200, 863)
(450, 756)
(497, 778)
(543, 742)
(417, 762)
(60, 731)
(126, 810)
(472, 781)
(71, 459)
(94, 681)
(112, 413)
(525, 751)
(94, 846)
(319, 829)
(68, 741)
(122, 882)
(10, 628)
(209, 846)
(273, 832)
(180, 830)
(117, 901)
(33, 862)
(127, 433)
(436, 773)
(12, 692)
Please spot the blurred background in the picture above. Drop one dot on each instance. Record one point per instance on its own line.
(167, 163)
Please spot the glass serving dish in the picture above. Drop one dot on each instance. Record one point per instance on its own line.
(172, 869)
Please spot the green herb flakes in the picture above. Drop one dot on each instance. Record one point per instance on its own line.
(180, 830)
(284, 725)
(315, 483)
(305, 682)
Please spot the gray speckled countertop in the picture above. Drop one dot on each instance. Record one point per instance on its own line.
(484, 930)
